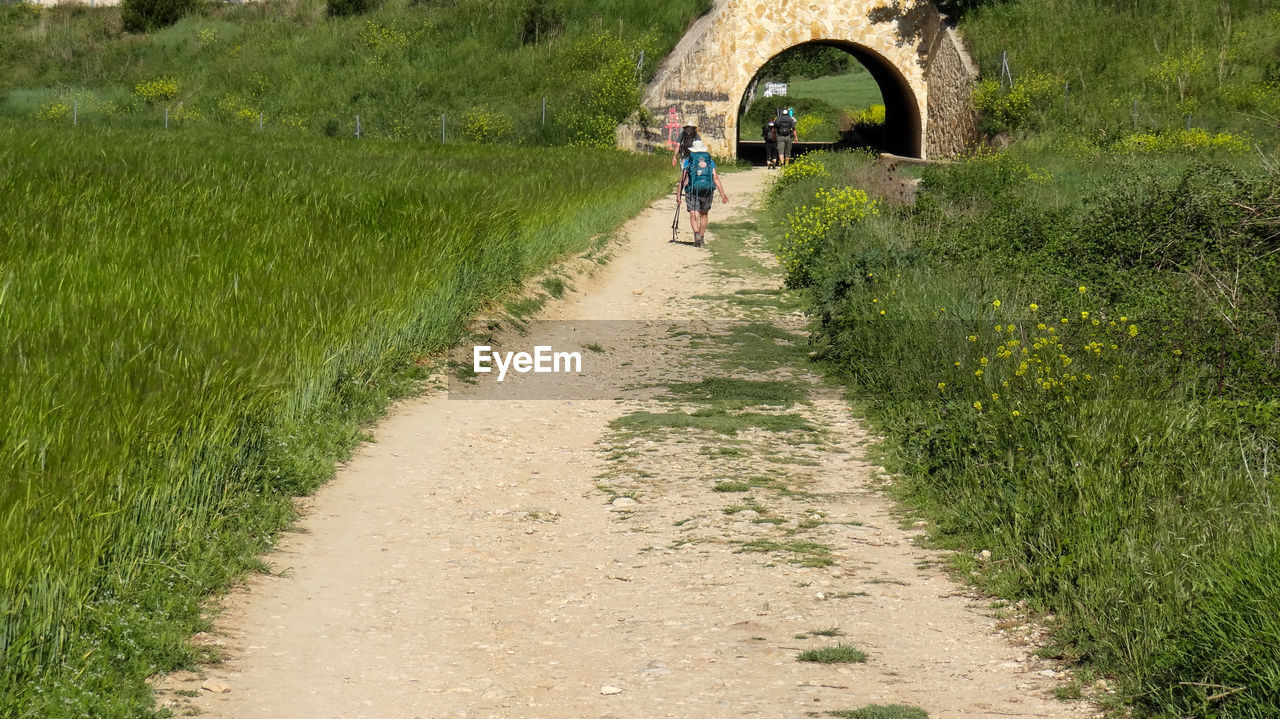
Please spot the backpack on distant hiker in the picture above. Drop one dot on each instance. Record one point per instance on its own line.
(786, 126)
(701, 173)
(771, 131)
(688, 134)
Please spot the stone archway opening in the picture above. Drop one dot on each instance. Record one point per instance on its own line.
(900, 133)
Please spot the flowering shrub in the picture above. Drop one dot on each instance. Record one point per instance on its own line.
(1178, 71)
(611, 93)
(873, 115)
(1016, 106)
(801, 168)
(482, 125)
(159, 90)
(1029, 362)
(1194, 140)
(185, 113)
(207, 37)
(808, 125)
(810, 226)
(53, 111)
(380, 38)
(238, 110)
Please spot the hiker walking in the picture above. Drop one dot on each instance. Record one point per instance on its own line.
(698, 183)
(770, 134)
(786, 134)
(688, 134)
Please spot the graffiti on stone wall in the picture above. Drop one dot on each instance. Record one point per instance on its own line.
(696, 96)
(677, 116)
(672, 126)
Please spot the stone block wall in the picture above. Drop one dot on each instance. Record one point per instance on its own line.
(953, 123)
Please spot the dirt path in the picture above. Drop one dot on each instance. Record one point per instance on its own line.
(667, 555)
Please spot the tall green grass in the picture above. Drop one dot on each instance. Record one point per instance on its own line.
(1086, 387)
(1083, 64)
(400, 67)
(195, 326)
(1072, 346)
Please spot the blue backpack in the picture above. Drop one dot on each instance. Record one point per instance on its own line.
(700, 172)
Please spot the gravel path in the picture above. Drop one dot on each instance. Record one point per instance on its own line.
(492, 557)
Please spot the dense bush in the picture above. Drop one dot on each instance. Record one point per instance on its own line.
(540, 20)
(346, 8)
(147, 15)
(807, 61)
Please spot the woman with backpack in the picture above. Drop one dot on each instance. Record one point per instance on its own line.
(699, 181)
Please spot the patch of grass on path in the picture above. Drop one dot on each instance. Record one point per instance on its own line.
(760, 346)
(809, 554)
(839, 654)
(882, 711)
(712, 420)
(731, 391)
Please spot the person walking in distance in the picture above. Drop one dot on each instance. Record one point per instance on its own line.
(698, 183)
(770, 134)
(786, 135)
(688, 134)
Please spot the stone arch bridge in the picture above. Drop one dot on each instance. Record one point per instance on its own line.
(923, 70)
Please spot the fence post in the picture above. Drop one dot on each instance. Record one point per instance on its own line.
(1005, 72)
(1188, 121)
(442, 129)
(357, 127)
(259, 122)
(544, 111)
(75, 112)
(166, 118)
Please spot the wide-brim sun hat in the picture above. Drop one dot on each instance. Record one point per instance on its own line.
(698, 146)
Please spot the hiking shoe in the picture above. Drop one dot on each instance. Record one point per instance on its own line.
(697, 240)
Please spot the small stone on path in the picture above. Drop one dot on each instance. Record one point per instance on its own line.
(215, 686)
(608, 690)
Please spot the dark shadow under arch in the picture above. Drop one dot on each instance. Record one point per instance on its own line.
(903, 125)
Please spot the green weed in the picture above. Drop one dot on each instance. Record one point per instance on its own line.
(838, 654)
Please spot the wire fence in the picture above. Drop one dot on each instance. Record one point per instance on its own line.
(1140, 117)
(538, 125)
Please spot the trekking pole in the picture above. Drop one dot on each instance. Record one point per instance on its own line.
(675, 223)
